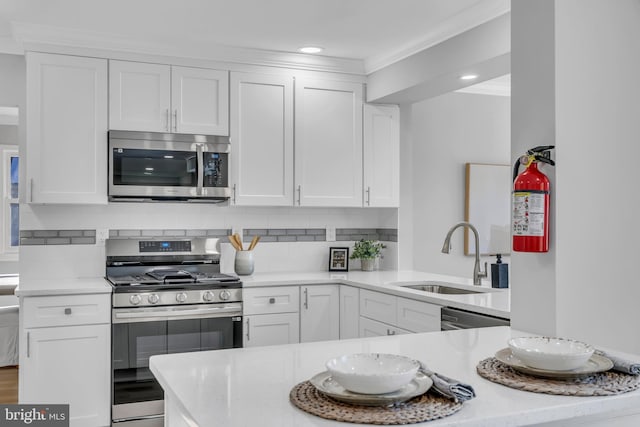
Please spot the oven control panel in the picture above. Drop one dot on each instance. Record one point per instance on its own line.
(178, 297)
(165, 246)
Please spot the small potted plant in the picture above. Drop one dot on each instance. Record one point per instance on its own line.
(367, 251)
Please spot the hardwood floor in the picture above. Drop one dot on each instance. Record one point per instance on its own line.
(9, 384)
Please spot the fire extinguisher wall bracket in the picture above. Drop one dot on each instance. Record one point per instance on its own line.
(530, 214)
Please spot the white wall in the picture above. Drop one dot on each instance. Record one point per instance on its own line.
(574, 82)
(88, 260)
(598, 129)
(447, 132)
(533, 122)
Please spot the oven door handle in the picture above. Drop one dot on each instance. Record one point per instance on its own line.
(200, 161)
(195, 313)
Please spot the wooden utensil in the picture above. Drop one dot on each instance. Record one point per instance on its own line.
(254, 242)
(238, 240)
(233, 242)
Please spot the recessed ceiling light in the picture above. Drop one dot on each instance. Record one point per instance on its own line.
(310, 49)
(469, 77)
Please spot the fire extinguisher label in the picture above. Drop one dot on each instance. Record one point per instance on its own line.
(528, 213)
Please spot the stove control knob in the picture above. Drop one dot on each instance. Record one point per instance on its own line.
(153, 298)
(225, 295)
(208, 296)
(181, 297)
(135, 299)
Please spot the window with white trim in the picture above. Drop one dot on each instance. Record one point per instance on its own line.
(10, 204)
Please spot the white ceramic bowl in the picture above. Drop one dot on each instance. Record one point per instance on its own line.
(372, 373)
(553, 354)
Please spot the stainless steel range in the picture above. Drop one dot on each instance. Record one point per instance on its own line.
(168, 297)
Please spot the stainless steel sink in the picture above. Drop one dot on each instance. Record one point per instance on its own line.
(439, 288)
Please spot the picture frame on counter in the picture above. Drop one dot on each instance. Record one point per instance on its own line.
(338, 259)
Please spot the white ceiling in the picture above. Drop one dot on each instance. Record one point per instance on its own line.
(378, 32)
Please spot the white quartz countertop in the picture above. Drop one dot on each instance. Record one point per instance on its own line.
(250, 386)
(494, 302)
(59, 286)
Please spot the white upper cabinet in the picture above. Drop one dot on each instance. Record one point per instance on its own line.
(164, 98)
(381, 155)
(261, 139)
(66, 129)
(200, 100)
(139, 96)
(328, 143)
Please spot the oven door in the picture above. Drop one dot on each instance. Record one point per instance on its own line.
(139, 333)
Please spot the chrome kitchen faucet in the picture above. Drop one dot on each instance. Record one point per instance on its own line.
(477, 273)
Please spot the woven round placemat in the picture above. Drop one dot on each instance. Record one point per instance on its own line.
(600, 384)
(426, 407)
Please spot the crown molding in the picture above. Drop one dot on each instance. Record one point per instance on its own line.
(27, 35)
(469, 18)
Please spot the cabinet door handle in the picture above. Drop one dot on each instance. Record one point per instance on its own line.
(306, 298)
(166, 126)
(248, 329)
(368, 196)
(67, 311)
(175, 120)
(28, 344)
(234, 194)
(30, 190)
(272, 300)
(299, 194)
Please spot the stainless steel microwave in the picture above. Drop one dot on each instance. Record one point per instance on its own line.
(150, 166)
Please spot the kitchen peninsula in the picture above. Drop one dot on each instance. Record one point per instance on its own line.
(250, 386)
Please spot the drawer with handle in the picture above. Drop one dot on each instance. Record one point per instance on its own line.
(277, 299)
(65, 310)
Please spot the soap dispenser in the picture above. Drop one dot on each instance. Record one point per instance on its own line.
(499, 273)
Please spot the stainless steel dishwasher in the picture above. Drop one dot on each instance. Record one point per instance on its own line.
(453, 318)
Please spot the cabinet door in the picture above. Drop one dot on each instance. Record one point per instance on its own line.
(373, 328)
(68, 365)
(262, 139)
(269, 300)
(328, 143)
(139, 96)
(349, 312)
(271, 329)
(200, 100)
(418, 316)
(319, 313)
(381, 154)
(66, 129)
(378, 306)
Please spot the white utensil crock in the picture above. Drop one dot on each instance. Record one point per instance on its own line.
(244, 263)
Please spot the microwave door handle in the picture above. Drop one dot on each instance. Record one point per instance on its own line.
(200, 162)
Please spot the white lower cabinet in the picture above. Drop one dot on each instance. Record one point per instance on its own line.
(291, 314)
(417, 316)
(397, 312)
(67, 364)
(319, 313)
(373, 328)
(271, 329)
(271, 315)
(349, 312)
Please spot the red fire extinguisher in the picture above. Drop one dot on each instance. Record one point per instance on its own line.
(530, 214)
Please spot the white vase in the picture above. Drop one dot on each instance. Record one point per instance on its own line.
(244, 263)
(368, 264)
